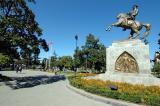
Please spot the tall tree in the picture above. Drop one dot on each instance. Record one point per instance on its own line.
(20, 34)
(44, 64)
(92, 54)
(65, 62)
(54, 60)
(156, 66)
(3, 59)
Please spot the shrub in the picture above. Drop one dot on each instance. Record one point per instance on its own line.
(33, 67)
(112, 94)
(86, 74)
(83, 71)
(156, 67)
(4, 59)
(136, 98)
(152, 100)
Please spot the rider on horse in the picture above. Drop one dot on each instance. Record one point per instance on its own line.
(133, 13)
(127, 21)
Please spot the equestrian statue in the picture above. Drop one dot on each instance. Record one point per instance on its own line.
(127, 21)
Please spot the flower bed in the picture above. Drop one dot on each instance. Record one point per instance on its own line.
(148, 95)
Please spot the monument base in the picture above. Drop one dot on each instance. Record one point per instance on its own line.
(144, 79)
(128, 61)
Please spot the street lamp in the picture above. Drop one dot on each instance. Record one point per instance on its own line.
(76, 38)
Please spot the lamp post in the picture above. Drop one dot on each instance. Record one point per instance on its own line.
(76, 38)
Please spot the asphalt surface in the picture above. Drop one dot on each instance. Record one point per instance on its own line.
(54, 93)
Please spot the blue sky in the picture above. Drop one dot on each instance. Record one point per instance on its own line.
(61, 20)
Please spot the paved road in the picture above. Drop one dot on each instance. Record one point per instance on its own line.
(52, 94)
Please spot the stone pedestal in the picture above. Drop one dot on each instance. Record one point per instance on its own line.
(128, 61)
(132, 49)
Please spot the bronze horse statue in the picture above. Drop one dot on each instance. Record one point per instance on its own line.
(134, 26)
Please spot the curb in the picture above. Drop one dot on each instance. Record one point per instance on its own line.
(100, 98)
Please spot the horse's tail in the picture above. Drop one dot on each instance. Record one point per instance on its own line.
(148, 28)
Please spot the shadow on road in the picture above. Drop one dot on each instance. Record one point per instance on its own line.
(4, 78)
(26, 82)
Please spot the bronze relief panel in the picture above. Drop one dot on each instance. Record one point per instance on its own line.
(126, 63)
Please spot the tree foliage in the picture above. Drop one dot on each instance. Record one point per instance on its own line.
(20, 34)
(65, 62)
(4, 59)
(91, 55)
(54, 59)
(61, 63)
(156, 68)
(43, 64)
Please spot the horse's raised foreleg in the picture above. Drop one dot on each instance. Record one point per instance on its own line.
(109, 28)
(114, 24)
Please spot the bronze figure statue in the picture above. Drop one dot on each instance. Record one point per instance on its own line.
(127, 21)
